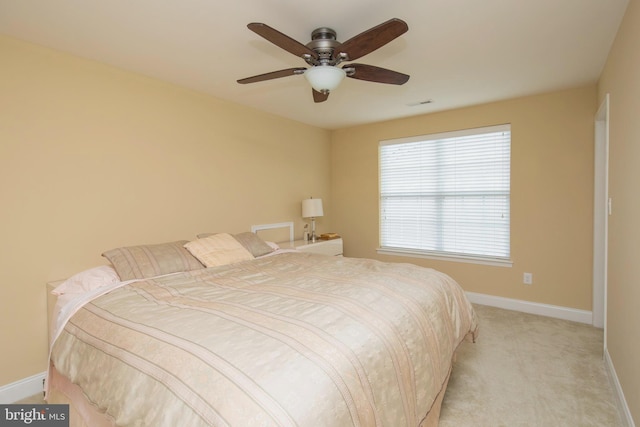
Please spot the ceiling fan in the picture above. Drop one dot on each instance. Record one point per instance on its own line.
(323, 53)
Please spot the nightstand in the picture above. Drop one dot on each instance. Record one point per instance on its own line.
(324, 247)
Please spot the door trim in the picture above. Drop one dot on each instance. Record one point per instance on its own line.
(601, 211)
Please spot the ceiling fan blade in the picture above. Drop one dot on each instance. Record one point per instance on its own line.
(272, 75)
(281, 40)
(375, 74)
(372, 39)
(319, 96)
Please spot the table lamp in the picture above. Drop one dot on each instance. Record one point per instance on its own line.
(312, 208)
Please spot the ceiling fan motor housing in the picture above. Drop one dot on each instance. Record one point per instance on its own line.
(323, 42)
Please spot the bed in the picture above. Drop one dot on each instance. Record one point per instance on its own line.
(201, 334)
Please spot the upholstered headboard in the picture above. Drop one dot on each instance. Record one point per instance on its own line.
(51, 304)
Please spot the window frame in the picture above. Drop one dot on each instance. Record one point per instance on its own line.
(440, 254)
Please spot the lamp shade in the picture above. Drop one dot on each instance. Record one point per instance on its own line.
(312, 208)
(324, 78)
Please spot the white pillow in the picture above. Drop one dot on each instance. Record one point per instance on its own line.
(218, 249)
(88, 280)
(274, 245)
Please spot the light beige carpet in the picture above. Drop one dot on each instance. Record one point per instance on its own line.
(526, 370)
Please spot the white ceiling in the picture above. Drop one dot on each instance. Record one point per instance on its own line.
(458, 52)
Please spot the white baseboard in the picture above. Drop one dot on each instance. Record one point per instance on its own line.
(565, 313)
(21, 389)
(621, 402)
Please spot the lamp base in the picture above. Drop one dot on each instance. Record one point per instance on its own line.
(313, 230)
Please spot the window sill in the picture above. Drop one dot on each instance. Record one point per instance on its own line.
(453, 258)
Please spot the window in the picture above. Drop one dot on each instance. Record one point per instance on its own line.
(447, 195)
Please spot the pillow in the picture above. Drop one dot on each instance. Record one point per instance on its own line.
(203, 235)
(218, 249)
(273, 245)
(253, 243)
(88, 280)
(143, 261)
(250, 241)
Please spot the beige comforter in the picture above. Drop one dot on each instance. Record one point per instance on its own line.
(293, 339)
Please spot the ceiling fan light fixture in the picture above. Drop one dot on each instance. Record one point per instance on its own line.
(324, 78)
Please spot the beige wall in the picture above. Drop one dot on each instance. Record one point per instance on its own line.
(93, 158)
(621, 79)
(551, 194)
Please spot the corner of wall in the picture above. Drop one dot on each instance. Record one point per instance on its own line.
(618, 394)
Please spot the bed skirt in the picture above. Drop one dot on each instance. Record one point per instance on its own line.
(82, 413)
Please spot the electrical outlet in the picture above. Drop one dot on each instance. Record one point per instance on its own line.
(527, 279)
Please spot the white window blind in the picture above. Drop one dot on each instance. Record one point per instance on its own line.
(447, 194)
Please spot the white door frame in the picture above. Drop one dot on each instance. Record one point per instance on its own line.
(601, 211)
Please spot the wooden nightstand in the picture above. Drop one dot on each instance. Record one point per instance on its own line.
(325, 247)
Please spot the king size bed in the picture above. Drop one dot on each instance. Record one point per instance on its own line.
(201, 334)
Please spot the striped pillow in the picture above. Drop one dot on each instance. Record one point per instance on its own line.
(144, 261)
